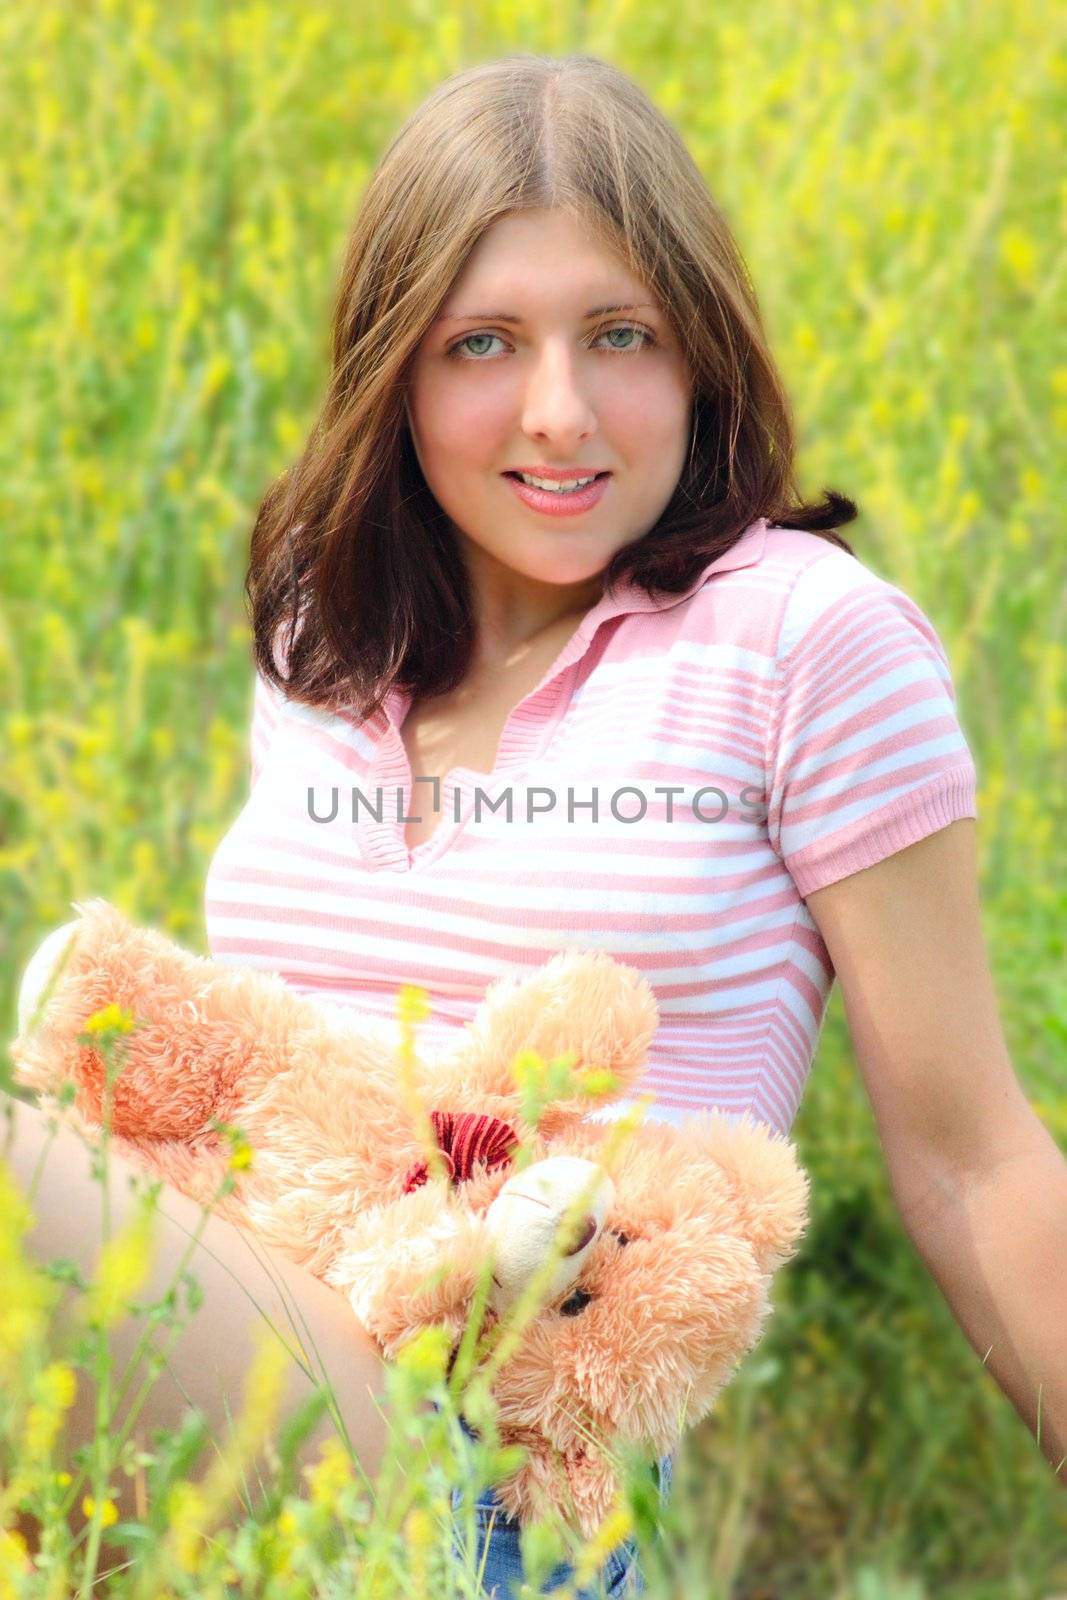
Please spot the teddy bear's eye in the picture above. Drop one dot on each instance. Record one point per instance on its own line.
(575, 1303)
(623, 1238)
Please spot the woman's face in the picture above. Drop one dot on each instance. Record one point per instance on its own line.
(514, 374)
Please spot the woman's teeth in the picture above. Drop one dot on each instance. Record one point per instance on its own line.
(567, 486)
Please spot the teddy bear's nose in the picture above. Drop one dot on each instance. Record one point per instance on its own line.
(524, 1219)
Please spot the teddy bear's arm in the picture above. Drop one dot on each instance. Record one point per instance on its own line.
(412, 1263)
(581, 1004)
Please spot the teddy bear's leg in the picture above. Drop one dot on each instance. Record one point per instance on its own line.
(174, 1070)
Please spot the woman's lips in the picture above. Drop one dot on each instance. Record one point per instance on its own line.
(552, 503)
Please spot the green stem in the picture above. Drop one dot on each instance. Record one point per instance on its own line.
(101, 1453)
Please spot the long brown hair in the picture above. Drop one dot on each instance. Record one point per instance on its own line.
(351, 557)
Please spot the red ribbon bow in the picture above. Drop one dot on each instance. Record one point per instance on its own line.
(464, 1137)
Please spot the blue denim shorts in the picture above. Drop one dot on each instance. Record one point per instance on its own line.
(503, 1575)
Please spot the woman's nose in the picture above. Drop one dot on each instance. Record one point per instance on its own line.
(556, 402)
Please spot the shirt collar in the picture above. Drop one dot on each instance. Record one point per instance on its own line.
(627, 596)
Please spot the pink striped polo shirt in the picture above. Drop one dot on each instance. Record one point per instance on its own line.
(688, 769)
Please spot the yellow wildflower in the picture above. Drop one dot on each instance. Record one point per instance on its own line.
(12, 1544)
(91, 481)
(145, 333)
(108, 1511)
(528, 1066)
(124, 1263)
(14, 1563)
(263, 1395)
(56, 1385)
(597, 1081)
(111, 1017)
(426, 1353)
(39, 1432)
(1019, 252)
(216, 372)
(1031, 483)
(28, 1295)
(420, 1535)
(282, 1544)
(241, 1152)
(617, 1526)
(330, 1474)
(187, 1514)
(413, 1004)
(55, 805)
(241, 1159)
(287, 430)
(419, 1529)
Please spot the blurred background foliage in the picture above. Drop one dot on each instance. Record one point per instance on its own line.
(177, 183)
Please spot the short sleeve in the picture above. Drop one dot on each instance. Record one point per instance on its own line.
(866, 754)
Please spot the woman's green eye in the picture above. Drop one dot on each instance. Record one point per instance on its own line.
(472, 336)
(641, 331)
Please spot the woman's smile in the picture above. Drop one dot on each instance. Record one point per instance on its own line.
(561, 502)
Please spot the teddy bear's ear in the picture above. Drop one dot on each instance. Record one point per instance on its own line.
(584, 1005)
(764, 1179)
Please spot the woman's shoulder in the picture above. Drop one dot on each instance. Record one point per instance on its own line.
(790, 553)
(746, 596)
(829, 588)
(768, 559)
(791, 594)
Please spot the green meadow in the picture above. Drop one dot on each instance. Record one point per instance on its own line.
(177, 184)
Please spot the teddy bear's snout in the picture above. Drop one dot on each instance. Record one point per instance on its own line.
(524, 1220)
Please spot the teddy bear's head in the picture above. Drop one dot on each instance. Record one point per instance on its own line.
(664, 1289)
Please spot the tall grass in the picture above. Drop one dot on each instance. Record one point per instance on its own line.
(222, 1528)
(177, 185)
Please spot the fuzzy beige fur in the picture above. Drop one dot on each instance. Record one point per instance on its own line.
(678, 1278)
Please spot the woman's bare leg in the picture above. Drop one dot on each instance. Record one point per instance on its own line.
(210, 1361)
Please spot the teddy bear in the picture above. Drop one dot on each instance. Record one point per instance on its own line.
(664, 1243)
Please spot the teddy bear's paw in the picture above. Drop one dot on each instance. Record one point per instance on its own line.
(413, 1262)
(578, 1487)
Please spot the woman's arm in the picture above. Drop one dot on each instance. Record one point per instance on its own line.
(980, 1184)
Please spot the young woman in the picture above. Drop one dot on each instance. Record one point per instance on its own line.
(551, 653)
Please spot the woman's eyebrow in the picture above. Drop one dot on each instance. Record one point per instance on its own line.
(509, 316)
